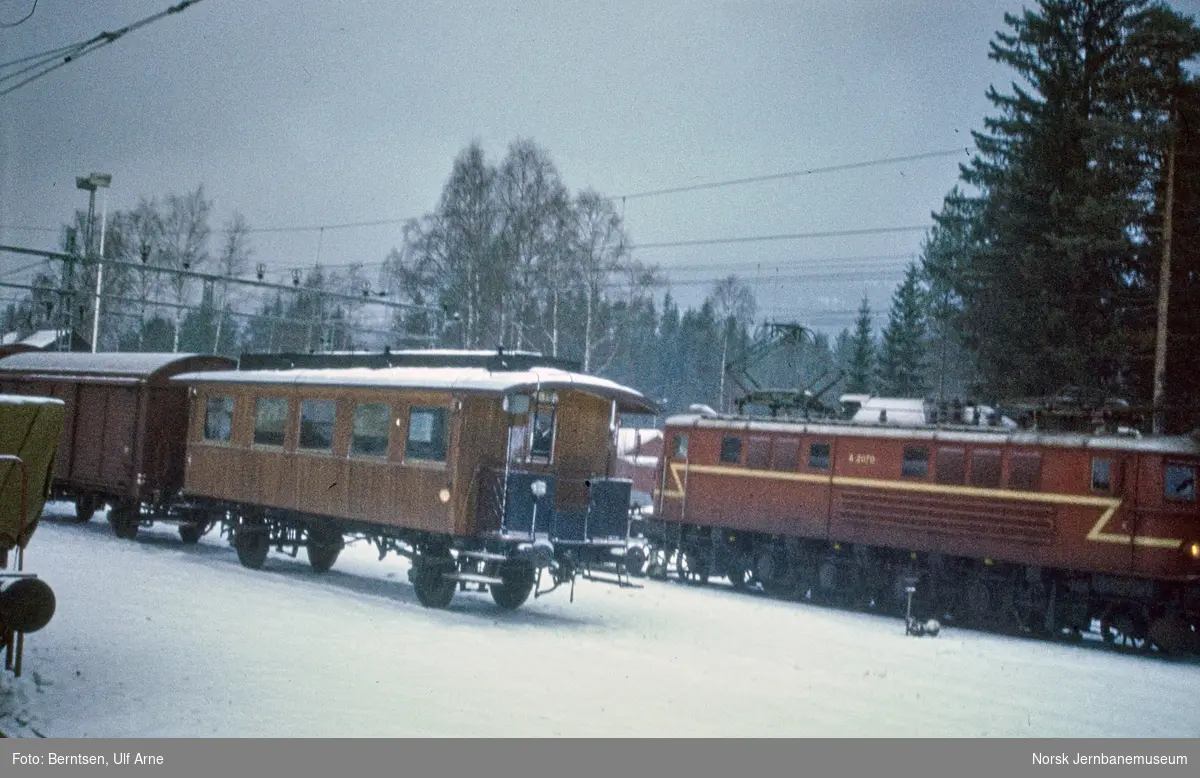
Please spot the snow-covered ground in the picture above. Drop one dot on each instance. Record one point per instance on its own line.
(152, 638)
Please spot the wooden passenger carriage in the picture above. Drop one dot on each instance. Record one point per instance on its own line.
(481, 472)
(1033, 531)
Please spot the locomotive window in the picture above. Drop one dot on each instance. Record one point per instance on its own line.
(787, 452)
(916, 462)
(951, 466)
(426, 435)
(731, 449)
(316, 424)
(680, 446)
(1180, 481)
(758, 453)
(985, 469)
(818, 456)
(1101, 474)
(370, 429)
(1026, 472)
(270, 419)
(218, 418)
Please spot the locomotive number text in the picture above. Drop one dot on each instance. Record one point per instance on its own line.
(862, 459)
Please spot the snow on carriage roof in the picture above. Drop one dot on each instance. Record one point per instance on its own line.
(21, 399)
(460, 379)
(1166, 444)
(127, 364)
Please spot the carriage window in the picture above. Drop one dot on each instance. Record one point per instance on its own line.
(1180, 482)
(758, 453)
(985, 469)
(426, 434)
(541, 442)
(951, 466)
(218, 418)
(916, 462)
(1026, 472)
(818, 456)
(1101, 474)
(316, 424)
(731, 449)
(787, 452)
(370, 429)
(680, 446)
(270, 419)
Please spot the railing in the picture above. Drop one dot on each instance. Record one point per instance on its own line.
(562, 507)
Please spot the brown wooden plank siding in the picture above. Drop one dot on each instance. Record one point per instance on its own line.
(390, 490)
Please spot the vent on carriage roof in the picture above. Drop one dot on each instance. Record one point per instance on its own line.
(491, 360)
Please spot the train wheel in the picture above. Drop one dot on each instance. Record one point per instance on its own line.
(252, 543)
(325, 543)
(635, 561)
(691, 567)
(657, 567)
(518, 583)
(977, 603)
(124, 520)
(737, 575)
(191, 532)
(433, 591)
(85, 508)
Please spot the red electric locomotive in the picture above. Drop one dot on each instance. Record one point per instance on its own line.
(993, 527)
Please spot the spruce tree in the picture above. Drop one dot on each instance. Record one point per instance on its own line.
(902, 359)
(1048, 282)
(860, 371)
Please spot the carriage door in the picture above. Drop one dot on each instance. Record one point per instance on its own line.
(120, 434)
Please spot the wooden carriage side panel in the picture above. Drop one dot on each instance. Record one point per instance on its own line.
(119, 439)
(91, 410)
(583, 446)
(318, 479)
(164, 443)
(413, 485)
(477, 473)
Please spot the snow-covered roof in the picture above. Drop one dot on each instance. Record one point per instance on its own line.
(132, 365)
(20, 399)
(1174, 444)
(448, 379)
(629, 438)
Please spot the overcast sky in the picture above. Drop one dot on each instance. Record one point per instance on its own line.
(303, 113)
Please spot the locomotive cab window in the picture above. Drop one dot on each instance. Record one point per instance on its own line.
(270, 421)
(316, 424)
(218, 419)
(426, 435)
(1101, 474)
(818, 456)
(916, 462)
(1179, 481)
(731, 449)
(680, 447)
(370, 438)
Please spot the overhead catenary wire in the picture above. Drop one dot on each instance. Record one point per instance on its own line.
(69, 54)
(22, 20)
